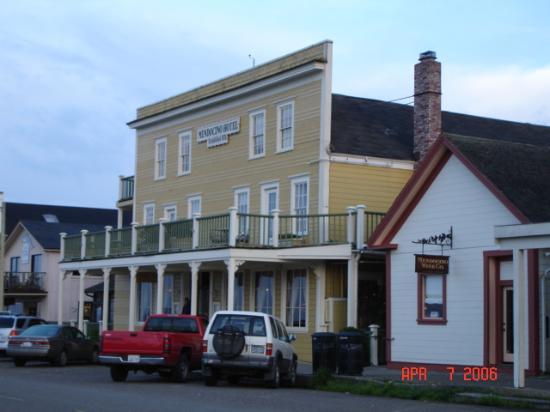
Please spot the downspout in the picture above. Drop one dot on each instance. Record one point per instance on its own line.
(544, 319)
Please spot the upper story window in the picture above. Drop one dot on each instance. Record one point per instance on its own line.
(242, 203)
(160, 158)
(257, 134)
(14, 264)
(194, 205)
(285, 127)
(36, 263)
(299, 198)
(185, 153)
(171, 213)
(149, 214)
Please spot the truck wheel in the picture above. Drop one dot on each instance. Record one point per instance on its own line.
(119, 373)
(19, 362)
(180, 373)
(233, 379)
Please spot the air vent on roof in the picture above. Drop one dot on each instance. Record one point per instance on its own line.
(50, 218)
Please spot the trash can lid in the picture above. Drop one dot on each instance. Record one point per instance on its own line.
(324, 335)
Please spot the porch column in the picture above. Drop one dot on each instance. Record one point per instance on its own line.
(360, 222)
(519, 318)
(133, 292)
(60, 297)
(350, 225)
(83, 234)
(320, 276)
(160, 286)
(105, 309)
(194, 285)
(82, 273)
(108, 230)
(352, 291)
(232, 267)
(233, 226)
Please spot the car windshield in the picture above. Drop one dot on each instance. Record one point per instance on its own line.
(41, 330)
(6, 322)
(249, 325)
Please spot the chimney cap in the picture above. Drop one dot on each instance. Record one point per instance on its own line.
(429, 54)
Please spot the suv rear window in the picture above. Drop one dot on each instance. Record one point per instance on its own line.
(21, 323)
(249, 325)
(6, 323)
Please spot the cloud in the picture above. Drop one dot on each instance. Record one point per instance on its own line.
(511, 93)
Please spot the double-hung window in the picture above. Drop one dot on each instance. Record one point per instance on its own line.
(264, 292)
(149, 214)
(185, 153)
(194, 205)
(296, 305)
(432, 290)
(242, 203)
(171, 213)
(300, 204)
(160, 158)
(257, 134)
(285, 127)
(146, 306)
(14, 264)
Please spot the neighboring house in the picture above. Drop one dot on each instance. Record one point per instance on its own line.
(31, 256)
(483, 307)
(249, 191)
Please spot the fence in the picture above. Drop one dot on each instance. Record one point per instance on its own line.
(95, 245)
(178, 235)
(213, 231)
(121, 242)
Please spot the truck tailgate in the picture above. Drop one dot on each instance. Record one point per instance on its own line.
(130, 343)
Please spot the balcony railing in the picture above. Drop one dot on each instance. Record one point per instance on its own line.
(24, 282)
(226, 230)
(126, 188)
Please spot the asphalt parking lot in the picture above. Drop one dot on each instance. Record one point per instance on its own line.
(83, 388)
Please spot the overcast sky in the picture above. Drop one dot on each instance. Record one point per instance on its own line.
(72, 73)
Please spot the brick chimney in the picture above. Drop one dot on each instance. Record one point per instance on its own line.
(427, 103)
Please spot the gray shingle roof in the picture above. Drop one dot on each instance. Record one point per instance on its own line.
(47, 234)
(368, 127)
(521, 172)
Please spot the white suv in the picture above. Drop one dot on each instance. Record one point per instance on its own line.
(252, 344)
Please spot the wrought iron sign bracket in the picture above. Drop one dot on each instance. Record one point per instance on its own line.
(443, 240)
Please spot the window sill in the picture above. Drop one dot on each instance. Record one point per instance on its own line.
(279, 151)
(299, 330)
(431, 321)
(184, 174)
(159, 178)
(256, 157)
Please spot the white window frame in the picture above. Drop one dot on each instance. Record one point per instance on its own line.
(145, 207)
(167, 208)
(283, 317)
(264, 206)
(190, 200)
(158, 175)
(251, 134)
(293, 182)
(280, 148)
(189, 135)
(237, 192)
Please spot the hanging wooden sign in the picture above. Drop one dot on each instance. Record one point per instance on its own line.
(432, 264)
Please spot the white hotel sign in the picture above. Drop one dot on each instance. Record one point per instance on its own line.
(217, 134)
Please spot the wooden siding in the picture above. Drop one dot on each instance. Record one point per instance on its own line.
(336, 277)
(374, 186)
(457, 198)
(215, 172)
(314, 53)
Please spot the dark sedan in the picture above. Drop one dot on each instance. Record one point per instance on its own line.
(53, 343)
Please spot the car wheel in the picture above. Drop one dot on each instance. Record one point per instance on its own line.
(119, 373)
(180, 373)
(275, 378)
(19, 362)
(94, 358)
(211, 380)
(233, 380)
(61, 359)
(290, 378)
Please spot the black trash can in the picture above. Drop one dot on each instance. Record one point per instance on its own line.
(325, 351)
(350, 353)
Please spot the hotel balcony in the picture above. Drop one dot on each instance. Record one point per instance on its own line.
(24, 283)
(230, 230)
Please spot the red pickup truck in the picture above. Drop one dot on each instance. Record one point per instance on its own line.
(168, 344)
